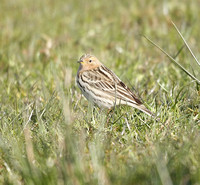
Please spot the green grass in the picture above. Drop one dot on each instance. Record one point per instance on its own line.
(49, 134)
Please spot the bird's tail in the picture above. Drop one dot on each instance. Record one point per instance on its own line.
(148, 112)
(142, 108)
(145, 110)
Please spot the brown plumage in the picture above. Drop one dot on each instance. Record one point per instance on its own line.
(102, 87)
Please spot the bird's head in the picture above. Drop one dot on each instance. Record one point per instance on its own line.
(88, 62)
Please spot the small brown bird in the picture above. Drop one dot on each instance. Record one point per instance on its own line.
(102, 87)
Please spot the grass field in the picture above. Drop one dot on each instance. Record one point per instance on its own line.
(49, 134)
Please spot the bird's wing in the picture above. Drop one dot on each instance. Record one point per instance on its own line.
(104, 79)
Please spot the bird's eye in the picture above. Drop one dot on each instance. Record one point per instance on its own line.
(90, 61)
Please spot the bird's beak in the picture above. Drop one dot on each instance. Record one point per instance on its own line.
(80, 61)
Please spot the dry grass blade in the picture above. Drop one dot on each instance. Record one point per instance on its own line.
(174, 61)
(185, 43)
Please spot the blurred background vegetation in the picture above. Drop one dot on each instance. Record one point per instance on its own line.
(48, 132)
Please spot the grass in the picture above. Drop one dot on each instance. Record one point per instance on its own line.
(49, 134)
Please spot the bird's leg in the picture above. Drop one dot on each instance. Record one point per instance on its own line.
(108, 115)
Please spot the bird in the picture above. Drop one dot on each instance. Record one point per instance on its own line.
(103, 87)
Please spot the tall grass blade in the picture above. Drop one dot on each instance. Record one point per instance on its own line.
(179, 51)
(173, 60)
(185, 43)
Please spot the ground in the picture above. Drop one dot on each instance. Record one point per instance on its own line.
(49, 134)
